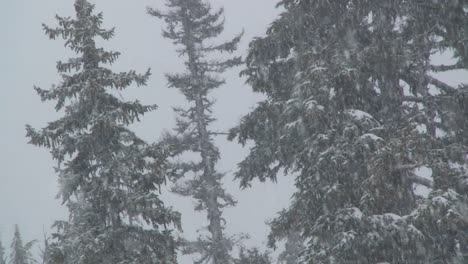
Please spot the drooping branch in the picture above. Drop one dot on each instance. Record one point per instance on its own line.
(405, 167)
(216, 133)
(413, 99)
(439, 84)
(411, 79)
(443, 68)
(414, 178)
(420, 180)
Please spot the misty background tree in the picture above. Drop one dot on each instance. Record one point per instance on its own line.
(45, 252)
(3, 259)
(355, 108)
(192, 25)
(20, 252)
(109, 178)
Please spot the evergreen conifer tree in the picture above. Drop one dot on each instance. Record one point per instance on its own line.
(3, 259)
(191, 25)
(45, 251)
(356, 109)
(109, 178)
(20, 253)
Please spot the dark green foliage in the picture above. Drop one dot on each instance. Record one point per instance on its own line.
(109, 178)
(355, 109)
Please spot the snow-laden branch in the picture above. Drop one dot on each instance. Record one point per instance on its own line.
(413, 99)
(219, 133)
(414, 178)
(439, 84)
(404, 167)
(421, 180)
(443, 68)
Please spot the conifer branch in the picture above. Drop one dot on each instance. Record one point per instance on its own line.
(420, 180)
(441, 85)
(443, 68)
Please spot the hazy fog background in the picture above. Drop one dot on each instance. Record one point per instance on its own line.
(27, 180)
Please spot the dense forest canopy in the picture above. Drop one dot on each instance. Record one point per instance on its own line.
(354, 108)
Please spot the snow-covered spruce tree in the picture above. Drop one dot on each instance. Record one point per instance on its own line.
(3, 259)
(191, 25)
(109, 177)
(20, 253)
(355, 108)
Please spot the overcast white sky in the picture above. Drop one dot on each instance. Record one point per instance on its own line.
(27, 57)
